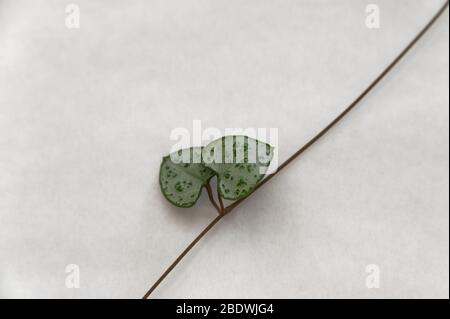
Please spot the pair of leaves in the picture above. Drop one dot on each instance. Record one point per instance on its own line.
(239, 162)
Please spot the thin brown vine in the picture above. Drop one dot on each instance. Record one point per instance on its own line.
(224, 211)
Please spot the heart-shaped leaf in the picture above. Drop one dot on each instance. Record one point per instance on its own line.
(240, 162)
(182, 176)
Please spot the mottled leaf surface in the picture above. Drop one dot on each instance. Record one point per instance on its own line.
(181, 179)
(240, 162)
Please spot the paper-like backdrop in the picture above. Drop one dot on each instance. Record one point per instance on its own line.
(86, 115)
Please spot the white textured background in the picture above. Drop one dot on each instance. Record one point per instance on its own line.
(85, 117)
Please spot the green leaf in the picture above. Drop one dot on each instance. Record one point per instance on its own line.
(240, 162)
(182, 176)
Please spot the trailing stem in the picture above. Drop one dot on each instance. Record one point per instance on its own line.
(224, 211)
